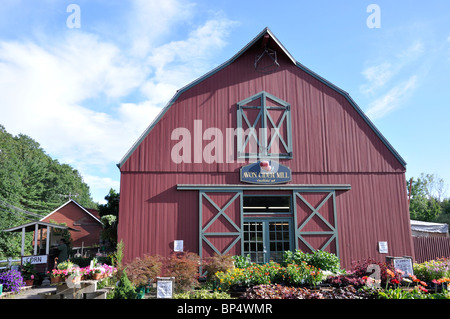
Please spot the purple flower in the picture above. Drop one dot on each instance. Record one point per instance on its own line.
(12, 280)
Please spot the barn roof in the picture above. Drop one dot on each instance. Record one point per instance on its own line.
(265, 35)
(81, 207)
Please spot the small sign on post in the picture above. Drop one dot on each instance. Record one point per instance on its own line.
(164, 287)
(404, 264)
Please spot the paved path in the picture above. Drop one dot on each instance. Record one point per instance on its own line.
(33, 293)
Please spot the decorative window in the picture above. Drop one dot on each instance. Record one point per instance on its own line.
(264, 127)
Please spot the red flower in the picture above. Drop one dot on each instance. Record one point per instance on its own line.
(423, 289)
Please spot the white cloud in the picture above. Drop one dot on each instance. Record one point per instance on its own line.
(392, 99)
(51, 91)
(393, 79)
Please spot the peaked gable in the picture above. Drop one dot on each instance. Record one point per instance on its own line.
(264, 37)
(82, 209)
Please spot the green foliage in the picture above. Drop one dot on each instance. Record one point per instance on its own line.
(399, 293)
(112, 204)
(433, 269)
(109, 214)
(31, 180)
(426, 197)
(242, 261)
(319, 259)
(124, 289)
(202, 294)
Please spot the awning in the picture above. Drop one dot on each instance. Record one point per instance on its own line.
(418, 225)
(32, 227)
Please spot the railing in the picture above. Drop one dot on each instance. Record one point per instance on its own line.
(9, 261)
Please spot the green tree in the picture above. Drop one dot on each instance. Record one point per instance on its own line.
(31, 180)
(109, 214)
(425, 193)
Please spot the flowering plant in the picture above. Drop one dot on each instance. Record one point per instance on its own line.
(28, 272)
(12, 280)
(434, 269)
(57, 273)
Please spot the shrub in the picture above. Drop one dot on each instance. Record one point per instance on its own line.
(296, 257)
(387, 272)
(145, 270)
(184, 267)
(12, 280)
(319, 259)
(325, 261)
(270, 273)
(124, 288)
(242, 261)
(432, 270)
(217, 263)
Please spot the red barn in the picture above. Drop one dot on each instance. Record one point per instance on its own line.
(259, 156)
(85, 221)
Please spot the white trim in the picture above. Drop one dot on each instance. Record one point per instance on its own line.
(69, 201)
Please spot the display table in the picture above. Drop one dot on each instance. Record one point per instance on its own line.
(84, 289)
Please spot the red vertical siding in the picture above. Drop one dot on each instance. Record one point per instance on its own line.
(72, 215)
(332, 144)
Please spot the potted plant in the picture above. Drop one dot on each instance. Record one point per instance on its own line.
(56, 275)
(97, 273)
(28, 274)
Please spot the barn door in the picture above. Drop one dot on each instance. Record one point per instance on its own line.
(315, 221)
(220, 219)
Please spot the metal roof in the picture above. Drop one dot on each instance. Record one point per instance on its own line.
(31, 226)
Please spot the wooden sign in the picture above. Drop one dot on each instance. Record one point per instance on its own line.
(265, 172)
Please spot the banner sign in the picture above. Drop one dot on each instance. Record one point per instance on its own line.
(265, 172)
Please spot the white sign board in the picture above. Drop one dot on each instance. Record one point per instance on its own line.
(42, 259)
(178, 245)
(383, 247)
(164, 288)
(405, 265)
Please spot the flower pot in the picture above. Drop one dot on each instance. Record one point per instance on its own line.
(29, 282)
(96, 276)
(55, 280)
(140, 292)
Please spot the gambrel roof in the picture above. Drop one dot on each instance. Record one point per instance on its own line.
(264, 35)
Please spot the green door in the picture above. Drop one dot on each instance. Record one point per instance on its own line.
(266, 239)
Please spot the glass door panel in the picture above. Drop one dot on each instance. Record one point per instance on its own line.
(266, 240)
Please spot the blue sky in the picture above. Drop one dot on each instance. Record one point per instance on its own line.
(87, 93)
